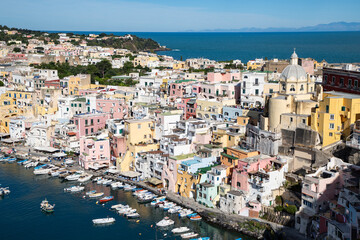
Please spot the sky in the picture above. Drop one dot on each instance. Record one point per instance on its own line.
(172, 15)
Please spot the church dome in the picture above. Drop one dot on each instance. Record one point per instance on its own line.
(293, 72)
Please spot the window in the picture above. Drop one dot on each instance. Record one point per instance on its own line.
(356, 85)
(327, 108)
(304, 121)
(333, 80)
(292, 88)
(332, 116)
(86, 131)
(341, 82)
(331, 126)
(92, 130)
(343, 108)
(139, 126)
(271, 90)
(256, 91)
(101, 146)
(238, 184)
(243, 90)
(92, 121)
(307, 203)
(349, 83)
(330, 134)
(302, 87)
(291, 119)
(86, 122)
(256, 81)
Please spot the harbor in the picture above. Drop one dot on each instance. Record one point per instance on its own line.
(75, 211)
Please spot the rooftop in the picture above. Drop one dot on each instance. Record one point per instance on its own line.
(182, 157)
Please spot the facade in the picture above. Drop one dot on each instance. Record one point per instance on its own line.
(94, 152)
(341, 80)
(89, 124)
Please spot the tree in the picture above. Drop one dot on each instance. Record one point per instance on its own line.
(17, 50)
(291, 209)
(103, 67)
(1, 84)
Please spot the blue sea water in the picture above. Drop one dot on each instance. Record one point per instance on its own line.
(334, 47)
(21, 217)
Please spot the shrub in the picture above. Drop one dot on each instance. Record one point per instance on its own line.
(279, 200)
(291, 209)
(279, 208)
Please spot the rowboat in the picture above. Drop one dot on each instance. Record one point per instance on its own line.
(103, 220)
(106, 199)
(95, 195)
(195, 218)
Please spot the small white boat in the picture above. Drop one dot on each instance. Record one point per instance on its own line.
(4, 191)
(117, 206)
(180, 230)
(103, 220)
(90, 192)
(106, 182)
(95, 195)
(44, 170)
(165, 222)
(174, 209)
(133, 215)
(73, 177)
(116, 184)
(189, 235)
(85, 178)
(74, 189)
(97, 179)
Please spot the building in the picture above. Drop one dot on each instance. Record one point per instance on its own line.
(335, 115)
(94, 152)
(90, 123)
(341, 80)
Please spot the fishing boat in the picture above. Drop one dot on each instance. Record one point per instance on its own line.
(4, 191)
(116, 184)
(180, 230)
(133, 215)
(90, 192)
(46, 206)
(165, 222)
(189, 235)
(106, 199)
(85, 178)
(96, 195)
(103, 220)
(74, 189)
(11, 160)
(195, 218)
(73, 177)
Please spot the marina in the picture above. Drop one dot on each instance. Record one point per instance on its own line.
(139, 217)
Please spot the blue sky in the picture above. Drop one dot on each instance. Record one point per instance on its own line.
(172, 15)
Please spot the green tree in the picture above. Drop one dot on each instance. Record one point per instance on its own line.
(17, 50)
(103, 67)
(1, 84)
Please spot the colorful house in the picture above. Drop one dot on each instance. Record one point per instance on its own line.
(94, 152)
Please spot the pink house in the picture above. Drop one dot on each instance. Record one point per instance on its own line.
(94, 152)
(240, 176)
(116, 107)
(189, 105)
(88, 124)
(217, 77)
(169, 174)
(118, 145)
(177, 88)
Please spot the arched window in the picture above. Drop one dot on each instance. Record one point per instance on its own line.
(226, 114)
(302, 87)
(283, 87)
(238, 184)
(292, 88)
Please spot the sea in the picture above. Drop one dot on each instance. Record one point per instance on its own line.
(333, 47)
(21, 217)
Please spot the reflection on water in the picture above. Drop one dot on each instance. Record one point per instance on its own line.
(74, 212)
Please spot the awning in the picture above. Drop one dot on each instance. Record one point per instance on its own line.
(11, 140)
(47, 149)
(130, 174)
(154, 181)
(59, 154)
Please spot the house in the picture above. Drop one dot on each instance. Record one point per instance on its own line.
(94, 152)
(89, 123)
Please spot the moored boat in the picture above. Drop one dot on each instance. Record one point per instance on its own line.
(133, 215)
(106, 199)
(180, 230)
(103, 220)
(165, 222)
(95, 195)
(90, 192)
(189, 235)
(195, 218)
(74, 189)
(85, 178)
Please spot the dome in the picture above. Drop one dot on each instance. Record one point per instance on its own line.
(293, 72)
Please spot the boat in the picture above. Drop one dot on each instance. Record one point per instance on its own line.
(165, 222)
(106, 199)
(44, 170)
(103, 220)
(116, 184)
(117, 206)
(22, 162)
(133, 215)
(85, 178)
(4, 191)
(90, 192)
(97, 179)
(73, 177)
(174, 209)
(196, 218)
(146, 199)
(129, 187)
(11, 160)
(157, 200)
(74, 189)
(201, 238)
(106, 181)
(180, 230)
(46, 206)
(189, 235)
(185, 212)
(31, 164)
(95, 195)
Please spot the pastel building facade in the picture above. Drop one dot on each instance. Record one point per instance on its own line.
(94, 152)
(88, 124)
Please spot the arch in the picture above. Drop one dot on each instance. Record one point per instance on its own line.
(207, 116)
(292, 88)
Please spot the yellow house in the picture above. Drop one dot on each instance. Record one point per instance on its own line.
(139, 136)
(255, 64)
(211, 108)
(186, 183)
(334, 115)
(227, 137)
(78, 82)
(179, 65)
(47, 101)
